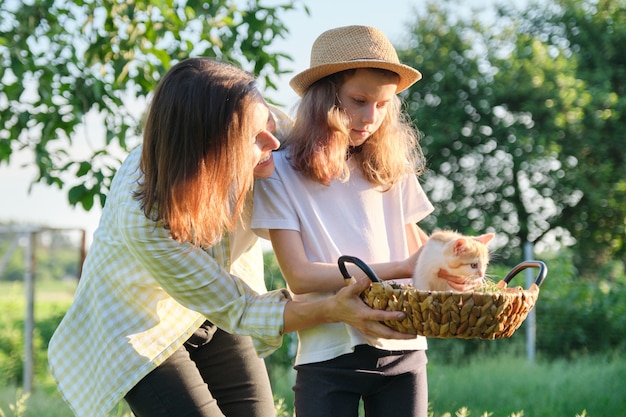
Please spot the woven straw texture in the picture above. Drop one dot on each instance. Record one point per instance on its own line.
(447, 314)
(352, 43)
(352, 47)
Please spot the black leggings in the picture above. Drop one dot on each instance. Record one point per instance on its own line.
(391, 384)
(214, 374)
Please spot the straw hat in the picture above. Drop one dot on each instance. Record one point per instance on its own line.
(352, 47)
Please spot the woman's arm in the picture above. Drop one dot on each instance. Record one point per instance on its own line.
(347, 307)
(304, 276)
(195, 279)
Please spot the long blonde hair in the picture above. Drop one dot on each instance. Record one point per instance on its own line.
(196, 151)
(319, 139)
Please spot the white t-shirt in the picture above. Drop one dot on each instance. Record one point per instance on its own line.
(351, 218)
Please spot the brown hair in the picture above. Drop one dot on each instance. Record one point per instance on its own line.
(319, 139)
(196, 153)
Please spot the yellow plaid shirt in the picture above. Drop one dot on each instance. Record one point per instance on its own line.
(143, 294)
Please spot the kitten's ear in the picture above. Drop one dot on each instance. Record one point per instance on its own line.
(486, 238)
(459, 246)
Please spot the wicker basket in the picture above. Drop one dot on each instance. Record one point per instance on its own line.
(449, 314)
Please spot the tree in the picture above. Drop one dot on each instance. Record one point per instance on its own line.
(500, 106)
(593, 33)
(63, 60)
(486, 169)
(534, 91)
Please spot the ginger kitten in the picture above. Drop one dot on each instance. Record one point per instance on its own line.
(450, 260)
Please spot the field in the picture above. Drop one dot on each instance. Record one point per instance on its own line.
(504, 386)
(497, 386)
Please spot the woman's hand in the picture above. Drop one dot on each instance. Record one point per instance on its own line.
(345, 306)
(348, 307)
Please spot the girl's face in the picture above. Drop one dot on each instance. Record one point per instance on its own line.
(263, 141)
(364, 96)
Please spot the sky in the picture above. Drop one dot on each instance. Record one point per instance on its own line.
(47, 206)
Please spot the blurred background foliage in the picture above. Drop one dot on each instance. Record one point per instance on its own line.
(523, 117)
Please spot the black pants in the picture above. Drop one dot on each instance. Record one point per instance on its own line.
(214, 374)
(391, 384)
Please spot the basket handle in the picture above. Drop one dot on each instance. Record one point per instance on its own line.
(541, 275)
(364, 267)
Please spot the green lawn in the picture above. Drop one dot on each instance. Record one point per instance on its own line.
(497, 386)
(504, 386)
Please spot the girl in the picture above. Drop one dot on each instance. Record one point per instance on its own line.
(345, 184)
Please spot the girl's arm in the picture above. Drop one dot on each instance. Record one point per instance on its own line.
(415, 237)
(304, 276)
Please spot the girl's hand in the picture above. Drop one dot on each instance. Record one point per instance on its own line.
(459, 283)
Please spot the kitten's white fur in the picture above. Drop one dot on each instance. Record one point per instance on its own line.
(450, 254)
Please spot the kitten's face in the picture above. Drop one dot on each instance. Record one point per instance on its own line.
(468, 257)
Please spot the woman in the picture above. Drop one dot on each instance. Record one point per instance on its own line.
(345, 184)
(157, 305)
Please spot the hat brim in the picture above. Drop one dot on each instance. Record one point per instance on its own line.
(302, 81)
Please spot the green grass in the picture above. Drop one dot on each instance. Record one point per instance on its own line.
(504, 386)
(498, 385)
(42, 403)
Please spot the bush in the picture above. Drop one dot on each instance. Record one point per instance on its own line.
(579, 316)
(11, 346)
(48, 315)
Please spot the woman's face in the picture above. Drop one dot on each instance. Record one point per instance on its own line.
(263, 141)
(364, 96)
